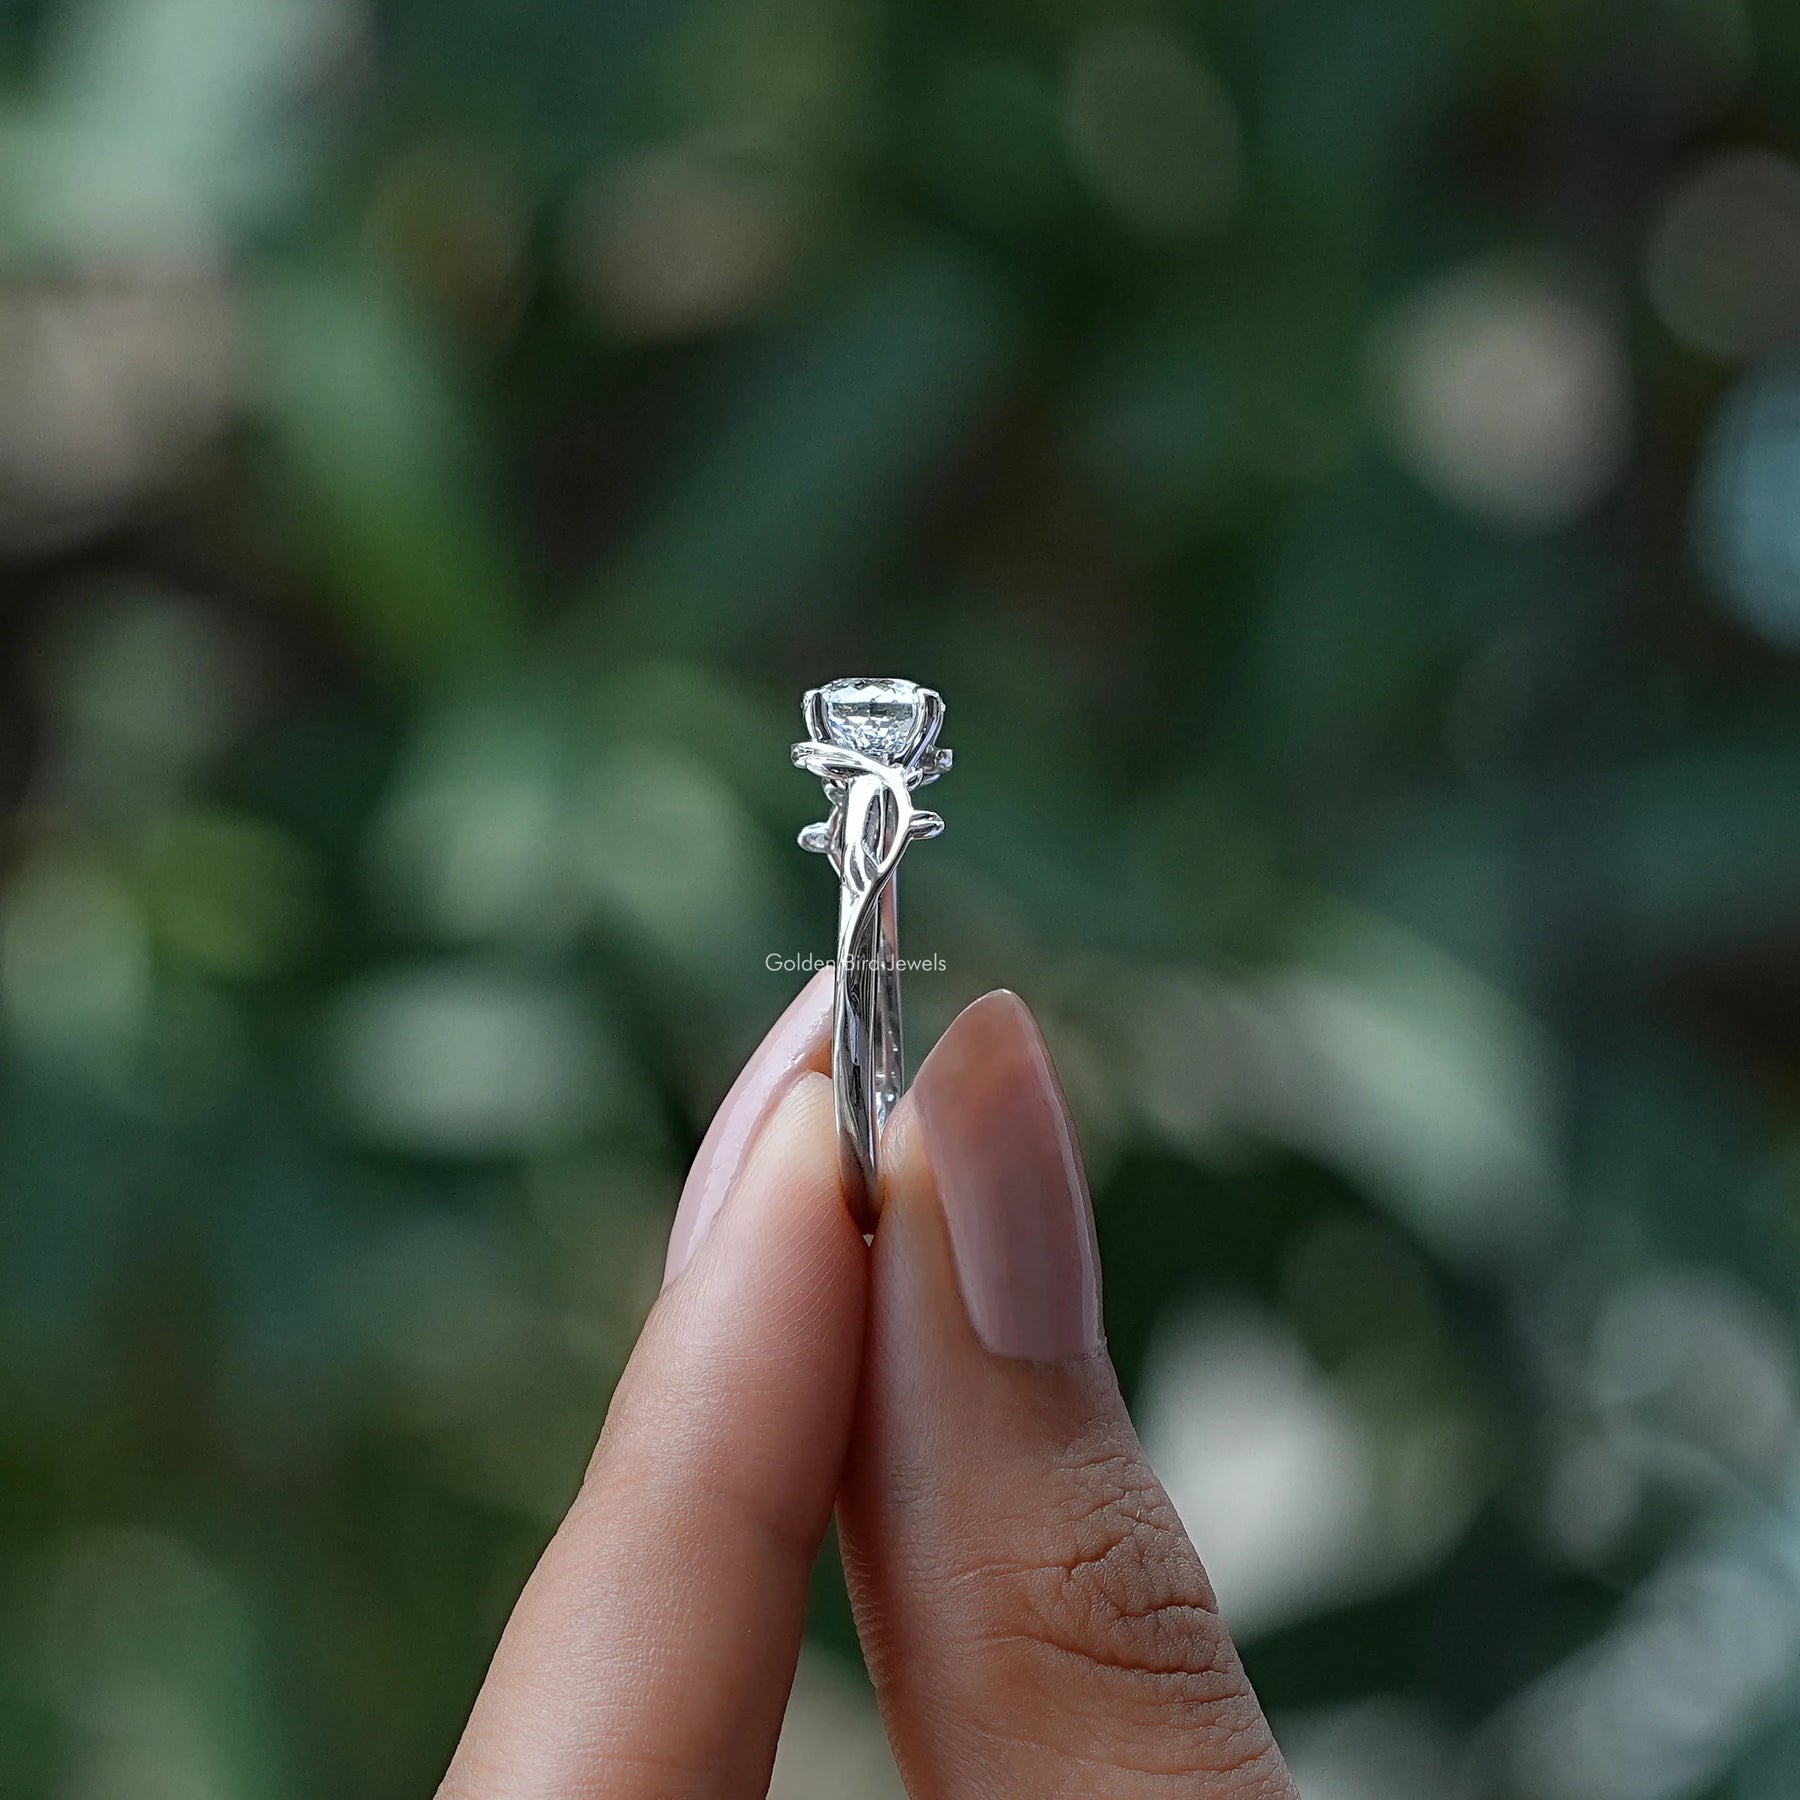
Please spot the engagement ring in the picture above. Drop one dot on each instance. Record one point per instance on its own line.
(872, 743)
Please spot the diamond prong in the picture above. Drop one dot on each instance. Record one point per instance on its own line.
(929, 723)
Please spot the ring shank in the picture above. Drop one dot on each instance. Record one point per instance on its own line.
(868, 1045)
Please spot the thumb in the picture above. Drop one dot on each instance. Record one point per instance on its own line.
(1035, 1618)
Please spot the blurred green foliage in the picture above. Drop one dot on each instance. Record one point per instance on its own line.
(1342, 466)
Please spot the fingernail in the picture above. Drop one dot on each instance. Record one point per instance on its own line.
(794, 1041)
(1003, 1154)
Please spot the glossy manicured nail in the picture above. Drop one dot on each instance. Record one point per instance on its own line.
(797, 1040)
(997, 1133)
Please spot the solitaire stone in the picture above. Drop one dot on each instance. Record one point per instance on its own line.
(879, 718)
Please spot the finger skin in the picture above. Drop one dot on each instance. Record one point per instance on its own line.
(654, 1646)
(1035, 1618)
(799, 1039)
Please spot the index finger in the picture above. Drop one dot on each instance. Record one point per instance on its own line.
(653, 1648)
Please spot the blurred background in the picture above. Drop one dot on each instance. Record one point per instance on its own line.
(1341, 463)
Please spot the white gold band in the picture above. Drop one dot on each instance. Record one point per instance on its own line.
(871, 743)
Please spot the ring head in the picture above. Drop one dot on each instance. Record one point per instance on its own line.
(883, 718)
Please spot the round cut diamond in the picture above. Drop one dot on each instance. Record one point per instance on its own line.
(879, 718)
